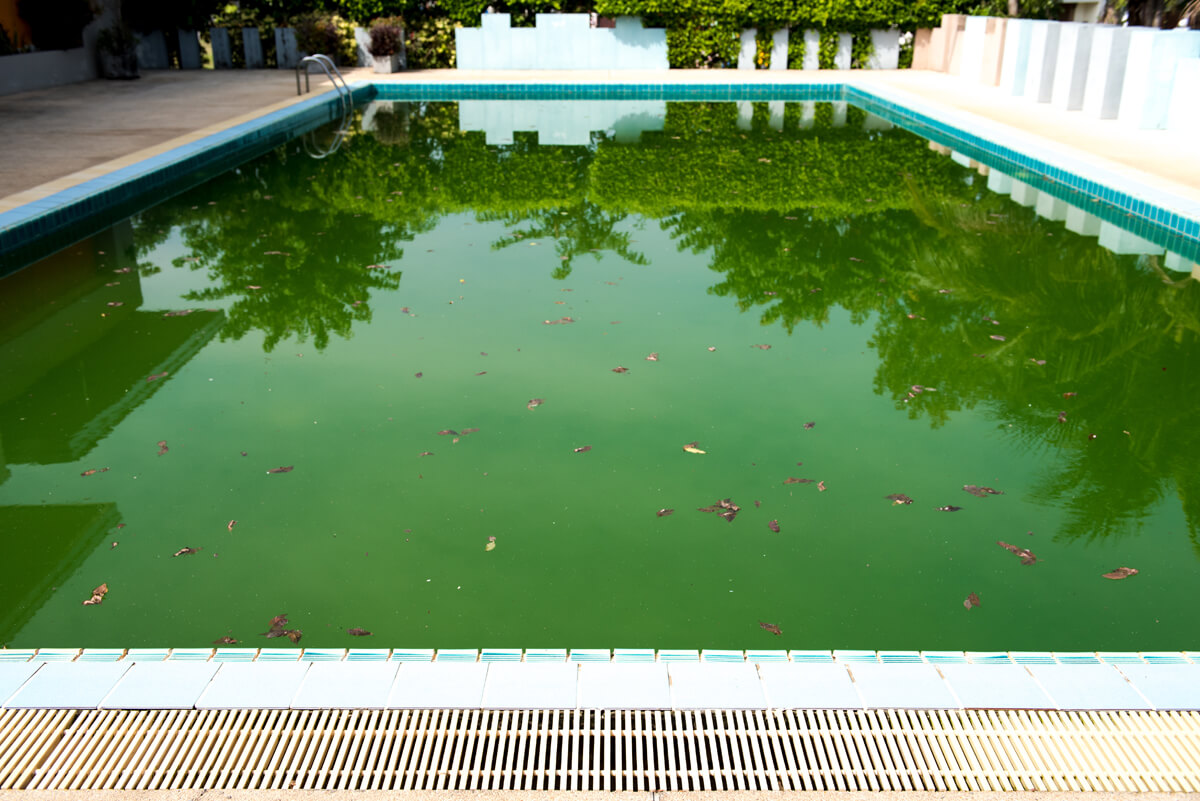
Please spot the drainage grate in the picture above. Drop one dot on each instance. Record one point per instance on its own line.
(600, 750)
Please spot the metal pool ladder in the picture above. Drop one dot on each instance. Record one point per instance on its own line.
(345, 97)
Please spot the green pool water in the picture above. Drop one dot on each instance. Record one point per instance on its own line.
(867, 262)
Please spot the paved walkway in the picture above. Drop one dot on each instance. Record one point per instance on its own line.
(70, 134)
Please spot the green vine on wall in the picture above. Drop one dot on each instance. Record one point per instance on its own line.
(827, 50)
(762, 42)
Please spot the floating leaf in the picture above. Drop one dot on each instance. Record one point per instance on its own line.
(821, 486)
(653, 357)
(358, 632)
(1026, 555)
(533, 404)
(425, 453)
(1039, 362)
(1062, 417)
(491, 546)
(947, 508)
(1121, 572)
(466, 431)
(445, 431)
(761, 347)
(418, 375)
(225, 641)
(377, 267)
(559, 321)
(774, 526)
(664, 512)
(971, 602)
(898, 498)
(724, 508)
(94, 471)
(186, 552)
(991, 320)
(232, 523)
(808, 426)
(981, 492)
(294, 635)
(97, 595)
(1070, 394)
(584, 449)
(711, 349)
(790, 480)
(620, 369)
(691, 447)
(771, 627)
(156, 376)
(287, 469)
(162, 447)
(998, 337)
(115, 303)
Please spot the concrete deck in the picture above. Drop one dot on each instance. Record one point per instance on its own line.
(56, 138)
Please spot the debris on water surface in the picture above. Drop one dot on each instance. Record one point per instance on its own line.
(664, 512)
(1039, 362)
(692, 447)
(466, 431)
(445, 431)
(711, 349)
(620, 369)
(162, 447)
(156, 376)
(971, 602)
(417, 375)
(232, 523)
(534, 403)
(358, 632)
(124, 270)
(97, 595)
(491, 544)
(559, 321)
(790, 480)
(225, 641)
(653, 357)
(287, 469)
(1121, 572)
(771, 627)
(114, 303)
(482, 372)
(947, 508)
(377, 266)
(761, 347)
(809, 426)
(724, 508)
(584, 449)
(998, 337)
(1026, 556)
(186, 552)
(821, 486)
(898, 498)
(991, 320)
(94, 471)
(1062, 417)
(981, 492)
(1091, 437)
(774, 526)
(757, 504)
(1070, 394)
(425, 453)
(276, 253)
(278, 628)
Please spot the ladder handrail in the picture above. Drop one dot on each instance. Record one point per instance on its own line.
(345, 96)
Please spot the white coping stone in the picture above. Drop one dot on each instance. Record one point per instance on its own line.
(999, 182)
(745, 115)
(1087, 687)
(748, 50)
(1181, 265)
(971, 63)
(1023, 193)
(1043, 58)
(779, 49)
(251, 685)
(68, 685)
(161, 685)
(775, 111)
(536, 686)
(1106, 72)
(1081, 222)
(1183, 113)
(439, 685)
(346, 685)
(1070, 73)
(716, 686)
(902, 686)
(812, 50)
(624, 686)
(13, 675)
(995, 686)
(1166, 686)
(791, 685)
(841, 59)
(1124, 243)
(1015, 61)
(885, 49)
(1150, 72)
(1050, 208)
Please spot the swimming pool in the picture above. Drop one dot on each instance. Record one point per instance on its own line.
(829, 302)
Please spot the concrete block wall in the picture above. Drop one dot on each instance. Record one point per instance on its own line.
(1143, 77)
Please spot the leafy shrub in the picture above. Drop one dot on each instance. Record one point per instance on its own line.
(430, 43)
(386, 38)
(55, 24)
(323, 33)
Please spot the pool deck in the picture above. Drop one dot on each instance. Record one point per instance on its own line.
(58, 138)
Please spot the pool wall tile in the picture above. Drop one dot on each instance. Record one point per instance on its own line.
(1120, 657)
(988, 657)
(161, 685)
(590, 655)
(254, 685)
(673, 655)
(346, 685)
(439, 685)
(1165, 657)
(634, 655)
(531, 686)
(1165, 686)
(856, 656)
(614, 685)
(323, 655)
(17, 654)
(235, 655)
(709, 655)
(809, 686)
(13, 675)
(275, 655)
(457, 655)
(902, 686)
(147, 654)
(995, 686)
(944, 657)
(101, 655)
(811, 656)
(190, 655)
(545, 654)
(68, 685)
(715, 685)
(500, 655)
(760, 657)
(56, 654)
(400, 654)
(1076, 658)
(1033, 658)
(1075, 686)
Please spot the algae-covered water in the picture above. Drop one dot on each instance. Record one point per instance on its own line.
(826, 300)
